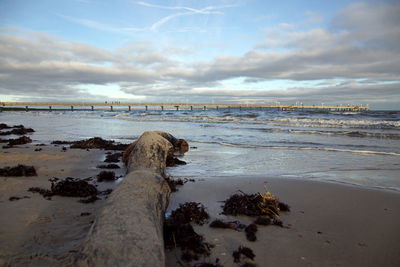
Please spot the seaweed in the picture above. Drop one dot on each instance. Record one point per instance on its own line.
(173, 183)
(44, 192)
(208, 264)
(283, 206)
(69, 187)
(4, 126)
(18, 131)
(18, 141)
(245, 251)
(113, 157)
(248, 264)
(173, 161)
(263, 221)
(98, 142)
(234, 225)
(17, 198)
(250, 231)
(252, 205)
(93, 143)
(190, 212)
(108, 166)
(17, 171)
(106, 176)
(178, 231)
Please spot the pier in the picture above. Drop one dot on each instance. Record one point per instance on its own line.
(169, 106)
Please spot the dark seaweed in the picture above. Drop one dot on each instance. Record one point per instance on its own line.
(106, 176)
(19, 170)
(245, 251)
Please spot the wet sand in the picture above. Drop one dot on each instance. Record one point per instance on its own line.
(39, 232)
(329, 224)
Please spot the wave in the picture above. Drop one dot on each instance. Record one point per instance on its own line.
(358, 134)
(365, 152)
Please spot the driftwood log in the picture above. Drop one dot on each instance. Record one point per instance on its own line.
(128, 231)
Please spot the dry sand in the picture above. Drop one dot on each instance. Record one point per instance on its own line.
(329, 224)
(39, 232)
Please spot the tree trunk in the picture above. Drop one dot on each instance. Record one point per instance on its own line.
(128, 231)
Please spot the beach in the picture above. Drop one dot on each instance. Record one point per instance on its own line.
(329, 224)
(344, 215)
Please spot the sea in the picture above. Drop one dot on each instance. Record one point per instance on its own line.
(358, 148)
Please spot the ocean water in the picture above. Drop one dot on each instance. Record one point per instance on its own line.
(345, 147)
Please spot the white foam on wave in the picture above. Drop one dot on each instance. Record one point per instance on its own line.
(365, 152)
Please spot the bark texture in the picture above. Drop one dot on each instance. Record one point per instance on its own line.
(128, 231)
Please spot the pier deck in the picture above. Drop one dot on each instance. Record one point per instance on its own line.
(161, 106)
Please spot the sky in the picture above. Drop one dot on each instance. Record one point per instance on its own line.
(190, 51)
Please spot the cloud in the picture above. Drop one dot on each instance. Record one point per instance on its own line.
(356, 57)
(208, 10)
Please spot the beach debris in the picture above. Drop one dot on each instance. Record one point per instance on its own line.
(19, 170)
(209, 264)
(245, 251)
(98, 142)
(18, 141)
(248, 264)
(106, 176)
(58, 142)
(173, 161)
(105, 192)
(69, 187)
(38, 149)
(4, 126)
(108, 166)
(263, 221)
(178, 231)
(234, 225)
(266, 206)
(72, 187)
(251, 231)
(190, 212)
(18, 131)
(17, 198)
(173, 183)
(47, 194)
(90, 199)
(93, 143)
(113, 157)
(254, 205)
(85, 214)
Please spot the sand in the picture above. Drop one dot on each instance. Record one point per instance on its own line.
(39, 232)
(329, 224)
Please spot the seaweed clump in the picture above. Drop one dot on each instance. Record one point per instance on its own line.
(106, 176)
(98, 142)
(178, 231)
(245, 251)
(18, 141)
(19, 170)
(235, 225)
(266, 207)
(209, 264)
(113, 157)
(173, 161)
(69, 187)
(108, 166)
